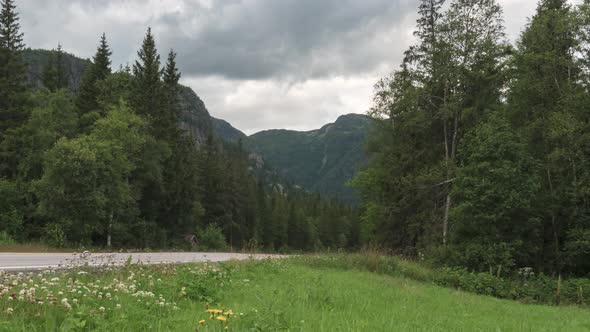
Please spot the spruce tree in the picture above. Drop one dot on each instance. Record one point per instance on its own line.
(87, 100)
(12, 69)
(147, 92)
(54, 75)
(168, 117)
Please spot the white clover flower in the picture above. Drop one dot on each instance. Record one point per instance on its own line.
(9, 311)
(101, 309)
(118, 306)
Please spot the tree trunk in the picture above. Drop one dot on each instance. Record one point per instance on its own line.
(109, 230)
(446, 218)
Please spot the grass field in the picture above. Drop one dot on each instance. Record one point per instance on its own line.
(281, 295)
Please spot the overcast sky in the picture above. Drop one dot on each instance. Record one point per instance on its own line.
(259, 64)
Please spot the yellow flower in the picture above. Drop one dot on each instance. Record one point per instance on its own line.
(202, 321)
(221, 318)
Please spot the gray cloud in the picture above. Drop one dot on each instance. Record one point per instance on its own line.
(259, 64)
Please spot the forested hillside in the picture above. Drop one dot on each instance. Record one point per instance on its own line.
(481, 157)
(128, 158)
(321, 160)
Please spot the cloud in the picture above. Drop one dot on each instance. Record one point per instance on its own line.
(259, 64)
(262, 104)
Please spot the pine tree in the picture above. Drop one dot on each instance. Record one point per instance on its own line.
(54, 75)
(100, 69)
(147, 91)
(168, 116)
(12, 69)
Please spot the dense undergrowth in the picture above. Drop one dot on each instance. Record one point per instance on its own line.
(523, 285)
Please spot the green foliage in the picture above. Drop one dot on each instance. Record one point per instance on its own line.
(54, 74)
(321, 160)
(13, 92)
(479, 153)
(85, 186)
(494, 221)
(212, 238)
(11, 214)
(99, 70)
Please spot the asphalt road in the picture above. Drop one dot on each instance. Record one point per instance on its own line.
(43, 261)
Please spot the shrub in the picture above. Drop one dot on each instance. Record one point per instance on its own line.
(211, 238)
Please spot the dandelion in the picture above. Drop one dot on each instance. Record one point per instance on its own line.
(221, 318)
(202, 321)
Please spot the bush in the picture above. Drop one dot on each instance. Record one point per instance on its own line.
(6, 240)
(211, 238)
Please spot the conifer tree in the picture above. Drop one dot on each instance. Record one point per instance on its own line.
(87, 100)
(12, 69)
(54, 75)
(147, 91)
(168, 117)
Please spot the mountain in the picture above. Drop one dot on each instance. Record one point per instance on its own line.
(226, 131)
(38, 59)
(321, 160)
(194, 116)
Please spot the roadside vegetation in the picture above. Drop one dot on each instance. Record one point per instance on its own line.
(306, 293)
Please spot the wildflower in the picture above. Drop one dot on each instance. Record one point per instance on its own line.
(118, 306)
(221, 318)
(101, 309)
(202, 321)
(9, 311)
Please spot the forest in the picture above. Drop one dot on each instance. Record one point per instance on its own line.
(481, 154)
(478, 155)
(108, 167)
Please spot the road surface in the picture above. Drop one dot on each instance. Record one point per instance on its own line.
(43, 261)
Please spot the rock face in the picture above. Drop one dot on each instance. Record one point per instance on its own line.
(194, 117)
(38, 59)
(226, 131)
(321, 160)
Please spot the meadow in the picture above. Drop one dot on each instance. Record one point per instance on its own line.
(294, 294)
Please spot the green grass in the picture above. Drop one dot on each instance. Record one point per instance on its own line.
(282, 295)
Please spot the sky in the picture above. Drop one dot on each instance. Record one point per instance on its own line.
(258, 64)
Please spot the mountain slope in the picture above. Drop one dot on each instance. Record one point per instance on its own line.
(322, 160)
(226, 131)
(194, 116)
